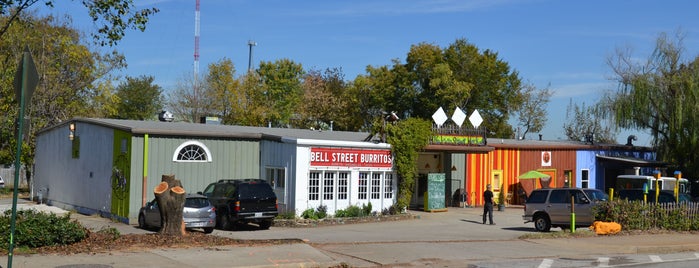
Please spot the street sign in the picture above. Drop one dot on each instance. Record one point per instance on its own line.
(26, 77)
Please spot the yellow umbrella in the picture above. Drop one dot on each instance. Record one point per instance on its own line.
(533, 174)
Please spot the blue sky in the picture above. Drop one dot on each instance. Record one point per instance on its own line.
(560, 44)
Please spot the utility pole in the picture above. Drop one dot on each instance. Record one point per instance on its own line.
(250, 44)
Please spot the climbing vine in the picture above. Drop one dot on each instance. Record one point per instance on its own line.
(407, 138)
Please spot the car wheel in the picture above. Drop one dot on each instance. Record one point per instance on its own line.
(142, 222)
(542, 223)
(208, 230)
(226, 223)
(264, 225)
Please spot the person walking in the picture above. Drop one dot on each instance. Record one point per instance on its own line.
(488, 204)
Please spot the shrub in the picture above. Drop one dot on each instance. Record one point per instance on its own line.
(309, 214)
(351, 211)
(635, 215)
(35, 229)
(366, 208)
(315, 214)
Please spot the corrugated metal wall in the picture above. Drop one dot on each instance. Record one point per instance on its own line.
(281, 155)
(83, 183)
(231, 159)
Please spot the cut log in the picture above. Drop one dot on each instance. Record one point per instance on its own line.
(170, 197)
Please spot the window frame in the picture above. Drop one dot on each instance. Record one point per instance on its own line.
(207, 153)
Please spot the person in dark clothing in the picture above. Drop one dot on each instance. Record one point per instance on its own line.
(488, 204)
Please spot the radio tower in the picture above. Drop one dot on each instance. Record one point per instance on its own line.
(196, 41)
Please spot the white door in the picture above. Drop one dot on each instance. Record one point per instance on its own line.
(343, 190)
(375, 193)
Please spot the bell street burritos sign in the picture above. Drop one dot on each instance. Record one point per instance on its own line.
(351, 157)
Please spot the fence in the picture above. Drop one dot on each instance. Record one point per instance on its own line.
(8, 175)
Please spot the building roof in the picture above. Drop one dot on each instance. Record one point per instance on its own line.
(219, 131)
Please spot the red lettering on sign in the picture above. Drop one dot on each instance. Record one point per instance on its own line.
(351, 157)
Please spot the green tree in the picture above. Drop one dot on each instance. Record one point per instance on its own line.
(660, 95)
(282, 81)
(139, 98)
(496, 89)
(111, 17)
(585, 123)
(254, 103)
(457, 76)
(532, 114)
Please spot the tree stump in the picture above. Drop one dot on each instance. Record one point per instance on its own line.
(170, 197)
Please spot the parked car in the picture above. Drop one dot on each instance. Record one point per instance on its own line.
(242, 201)
(198, 213)
(551, 207)
(665, 196)
(2, 182)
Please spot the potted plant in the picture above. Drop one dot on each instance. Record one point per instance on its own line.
(501, 198)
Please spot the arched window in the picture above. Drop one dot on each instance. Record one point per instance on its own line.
(192, 151)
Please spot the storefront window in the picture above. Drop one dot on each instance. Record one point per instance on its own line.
(388, 185)
(375, 185)
(313, 185)
(363, 177)
(328, 186)
(342, 188)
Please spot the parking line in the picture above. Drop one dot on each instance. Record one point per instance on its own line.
(655, 258)
(546, 263)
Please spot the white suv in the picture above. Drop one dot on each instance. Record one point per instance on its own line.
(552, 208)
(2, 182)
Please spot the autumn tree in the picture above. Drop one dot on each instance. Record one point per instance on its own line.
(185, 101)
(325, 101)
(659, 95)
(139, 98)
(222, 91)
(586, 124)
(532, 114)
(112, 18)
(68, 72)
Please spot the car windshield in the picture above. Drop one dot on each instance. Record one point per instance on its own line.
(596, 195)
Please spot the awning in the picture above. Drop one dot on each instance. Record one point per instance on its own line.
(627, 160)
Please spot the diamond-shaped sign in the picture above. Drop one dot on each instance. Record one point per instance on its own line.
(475, 119)
(439, 117)
(459, 116)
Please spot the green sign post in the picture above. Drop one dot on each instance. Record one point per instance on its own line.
(25, 81)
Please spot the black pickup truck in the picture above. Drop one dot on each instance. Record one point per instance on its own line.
(242, 201)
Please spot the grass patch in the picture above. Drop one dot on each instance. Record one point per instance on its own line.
(7, 192)
(559, 234)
